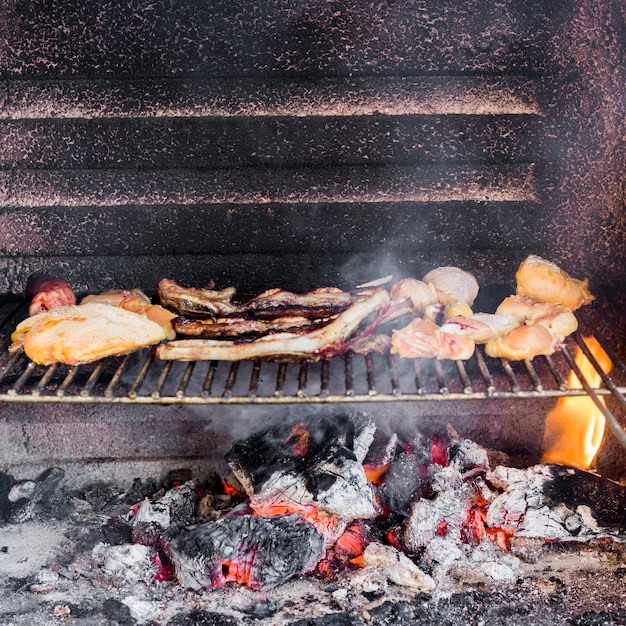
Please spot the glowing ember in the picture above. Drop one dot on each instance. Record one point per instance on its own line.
(575, 427)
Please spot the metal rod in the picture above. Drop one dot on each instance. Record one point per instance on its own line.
(371, 377)
(156, 391)
(85, 391)
(19, 383)
(324, 379)
(184, 381)
(555, 372)
(467, 385)
(610, 419)
(280, 380)
(67, 380)
(208, 380)
(108, 392)
(533, 375)
(45, 379)
(348, 374)
(132, 393)
(302, 379)
(485, 373)
(231, 380)
(254, 379)
(508, 370)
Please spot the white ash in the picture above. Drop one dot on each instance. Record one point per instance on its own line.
(398, 567)
(129, 563)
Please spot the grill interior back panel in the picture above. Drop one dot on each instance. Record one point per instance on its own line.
(298, 145)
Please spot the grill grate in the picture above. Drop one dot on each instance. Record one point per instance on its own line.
(142, 378)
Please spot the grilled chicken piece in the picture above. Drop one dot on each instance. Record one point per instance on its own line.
(524, 342)
(544, 281)
(84, 333)
(456, 289)
(423, 338)
(420, 295)
(326, 341)
(45, 293)
(137, 301)
(481, 327)
(525, 309)
(560, 323)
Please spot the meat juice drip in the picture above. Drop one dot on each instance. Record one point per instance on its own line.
(45, 292)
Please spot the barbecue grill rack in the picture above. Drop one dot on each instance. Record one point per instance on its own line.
(141, 378)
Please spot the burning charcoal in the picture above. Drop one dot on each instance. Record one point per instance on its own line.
(198, 617)
(258, 552)
(117, 611)
(176, 508)
(313, 468)
(281, 446)
(406, 480)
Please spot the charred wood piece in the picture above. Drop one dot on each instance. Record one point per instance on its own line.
(21, 501)
(258, 552)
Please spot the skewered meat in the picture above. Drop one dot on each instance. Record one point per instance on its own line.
(326, 341)
(453, 286)
(84, 333)
(524, 342)
(544, 281)
(423, 338)
(481, 327)
(45, 293)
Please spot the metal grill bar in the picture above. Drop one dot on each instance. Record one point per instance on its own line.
(141, 378)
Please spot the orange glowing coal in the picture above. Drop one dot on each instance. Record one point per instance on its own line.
(575, 427)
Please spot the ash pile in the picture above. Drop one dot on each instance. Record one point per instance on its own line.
(324, 519)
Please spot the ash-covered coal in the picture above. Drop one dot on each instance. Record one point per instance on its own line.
(259, 552)
(42, 497)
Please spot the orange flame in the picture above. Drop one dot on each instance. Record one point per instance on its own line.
(575, 427)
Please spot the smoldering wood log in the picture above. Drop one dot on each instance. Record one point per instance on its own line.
(280, 447)
(23, 500)
(605, 498)
(259, 552)
(316, 463)
(555, 502)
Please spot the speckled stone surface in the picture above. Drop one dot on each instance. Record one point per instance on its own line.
(278, 143)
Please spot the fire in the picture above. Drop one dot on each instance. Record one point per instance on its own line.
(575, 427)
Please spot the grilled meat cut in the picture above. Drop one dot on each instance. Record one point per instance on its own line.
(84, 333)
(206, 303)
(195, 301)
(326, 341)
(241, 328)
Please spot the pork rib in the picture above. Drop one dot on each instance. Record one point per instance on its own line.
(326, 341)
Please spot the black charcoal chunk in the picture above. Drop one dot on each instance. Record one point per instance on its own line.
(260, 552)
